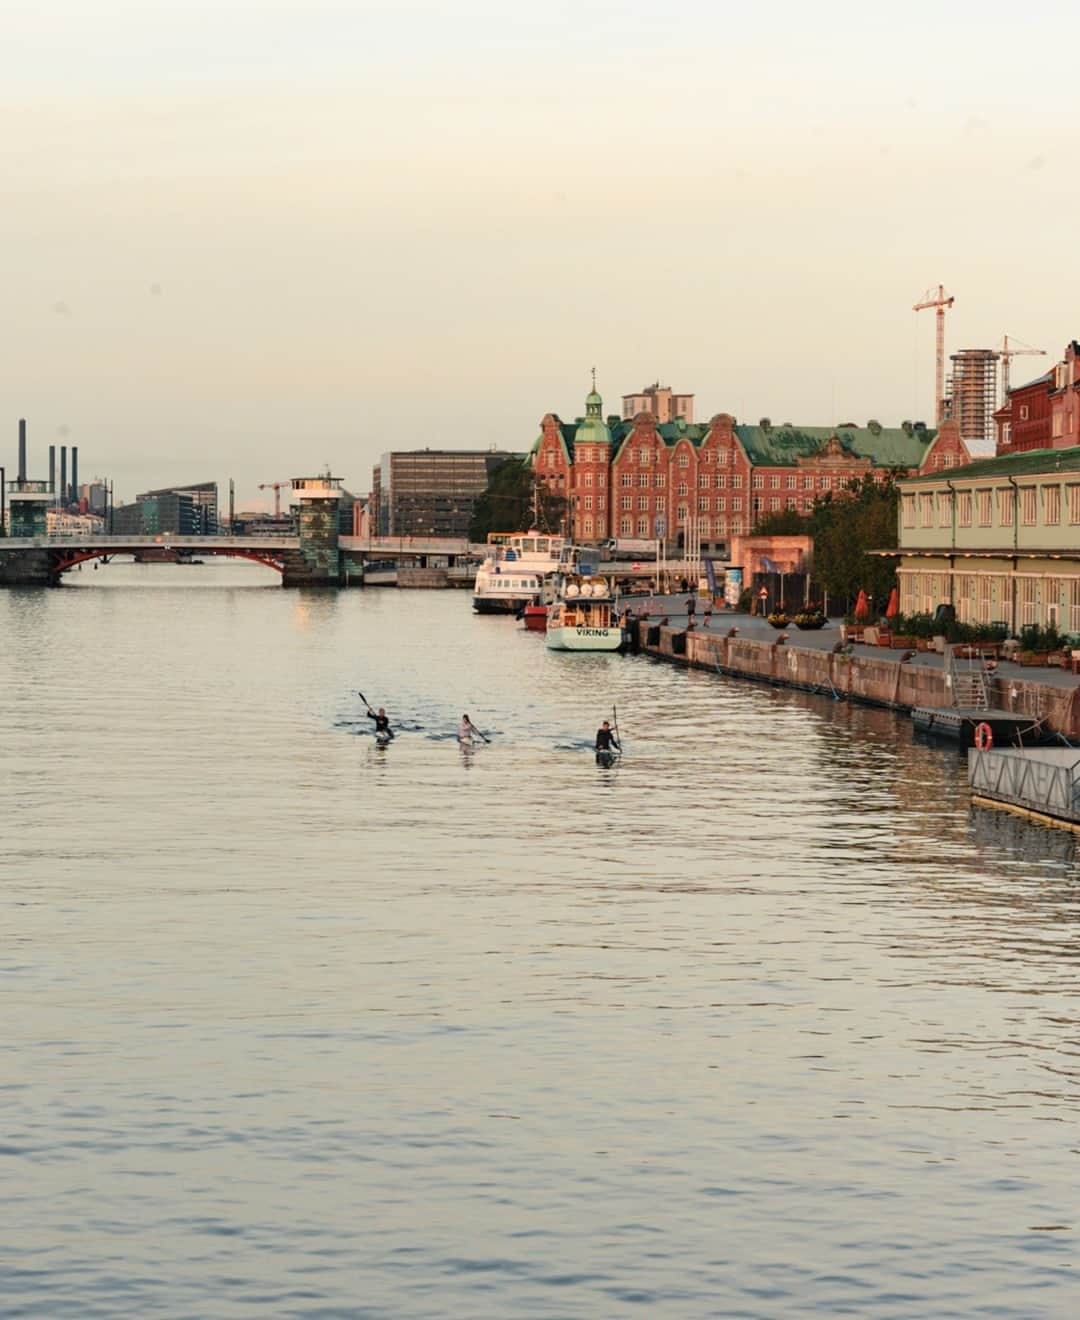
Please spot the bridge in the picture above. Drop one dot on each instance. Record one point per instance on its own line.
(300, 560)
(317, 557)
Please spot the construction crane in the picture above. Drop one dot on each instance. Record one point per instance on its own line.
(939, 299)
(277, 487)
(1005, 352)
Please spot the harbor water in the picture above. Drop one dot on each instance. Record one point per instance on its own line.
(763, 1020)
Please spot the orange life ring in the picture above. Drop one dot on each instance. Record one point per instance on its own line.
(984, 737)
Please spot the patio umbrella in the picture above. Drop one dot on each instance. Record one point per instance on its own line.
(862, 607)
(893, 607)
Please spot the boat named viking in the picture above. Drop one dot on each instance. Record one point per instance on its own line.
(584, 618)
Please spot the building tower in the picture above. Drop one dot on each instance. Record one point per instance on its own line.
(28, 500)
(592, 456)
(318, 561)
(972, 394)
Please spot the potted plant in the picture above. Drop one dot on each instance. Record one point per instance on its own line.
(810, 620)
(779, 619)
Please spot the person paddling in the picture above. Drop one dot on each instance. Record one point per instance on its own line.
(382, 723)
(467, 730)
(606, 740)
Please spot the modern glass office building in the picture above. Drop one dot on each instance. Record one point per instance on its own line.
(431, 492)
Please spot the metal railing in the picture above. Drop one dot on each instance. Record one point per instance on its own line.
(1032, 781)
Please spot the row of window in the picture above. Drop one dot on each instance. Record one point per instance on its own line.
(644, 526)
(648, 480)
(977, 508)
(705, 503)
(988, 598)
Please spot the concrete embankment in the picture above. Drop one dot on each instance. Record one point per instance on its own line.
(873, 679)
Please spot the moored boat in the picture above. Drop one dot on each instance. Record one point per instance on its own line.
(583, 618)
(535, 617)
(515, 570)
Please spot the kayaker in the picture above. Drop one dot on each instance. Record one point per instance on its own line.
(382, 722)
(605, 739)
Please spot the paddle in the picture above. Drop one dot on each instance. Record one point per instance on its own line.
(615, 721)
(475, 730)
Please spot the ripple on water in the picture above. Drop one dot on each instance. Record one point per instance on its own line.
(763, 1020)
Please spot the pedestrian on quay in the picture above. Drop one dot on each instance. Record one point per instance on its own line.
(691, 606)
(708, 612)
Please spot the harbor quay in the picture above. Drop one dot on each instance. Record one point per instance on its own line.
(746, 646)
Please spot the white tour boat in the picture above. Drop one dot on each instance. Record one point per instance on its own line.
(584, 618)
(516, 569)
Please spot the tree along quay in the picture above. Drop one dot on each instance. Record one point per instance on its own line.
(862, 677)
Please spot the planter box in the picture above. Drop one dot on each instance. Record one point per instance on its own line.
(902, 642)
(1029, 658)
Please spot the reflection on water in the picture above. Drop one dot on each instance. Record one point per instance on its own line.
(762, 1020)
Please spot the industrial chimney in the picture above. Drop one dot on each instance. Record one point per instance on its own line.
(22, 450)
(74, 474)
(62, 499)
(52, 470)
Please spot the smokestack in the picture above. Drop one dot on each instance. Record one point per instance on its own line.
(63, 474)
(52, 470)
(74, 474)
(22, 449)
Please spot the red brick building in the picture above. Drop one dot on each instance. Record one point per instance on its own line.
(1044, 413)
(682, 481)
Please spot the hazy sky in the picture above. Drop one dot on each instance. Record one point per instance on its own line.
(249, 237)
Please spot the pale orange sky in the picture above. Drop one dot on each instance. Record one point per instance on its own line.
(246, 239)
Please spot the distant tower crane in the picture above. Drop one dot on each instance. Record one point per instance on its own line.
(939, 299)
(1005, 352)
(277, 487)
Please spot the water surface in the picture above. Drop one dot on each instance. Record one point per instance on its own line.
(763, 1021)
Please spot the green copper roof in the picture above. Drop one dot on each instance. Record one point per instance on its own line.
(884, 446)
(1031, 462)
(593, 429)
(772, 446)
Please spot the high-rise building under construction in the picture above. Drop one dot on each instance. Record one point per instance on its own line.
(972, 396)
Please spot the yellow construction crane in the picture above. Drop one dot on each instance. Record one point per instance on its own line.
(1006, 352)
(940, 299)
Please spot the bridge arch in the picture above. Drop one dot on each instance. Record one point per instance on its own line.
(63, 560)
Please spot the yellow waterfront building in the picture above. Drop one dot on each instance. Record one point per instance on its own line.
(998, 539)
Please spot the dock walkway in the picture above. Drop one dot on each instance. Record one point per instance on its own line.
(873, 675)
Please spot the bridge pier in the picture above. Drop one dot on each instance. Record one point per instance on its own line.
(27, 568)
(317, 563)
